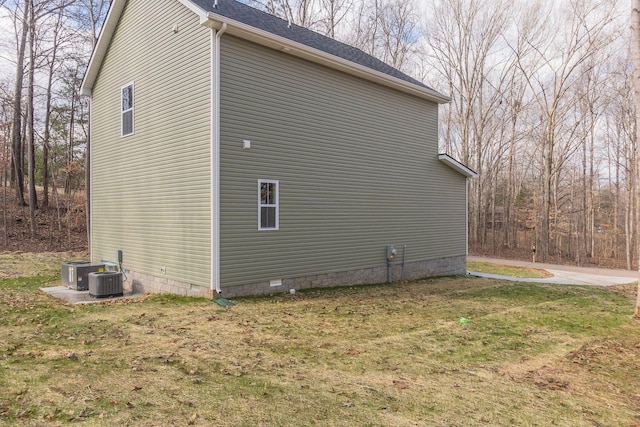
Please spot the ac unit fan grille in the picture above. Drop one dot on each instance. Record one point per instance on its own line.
(106, 284)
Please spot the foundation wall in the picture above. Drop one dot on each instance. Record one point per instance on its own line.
(416, 270)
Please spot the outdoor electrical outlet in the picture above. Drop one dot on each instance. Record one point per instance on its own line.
(163, 270)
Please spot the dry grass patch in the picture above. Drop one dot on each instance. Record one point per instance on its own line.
(371, 356)
(25, 264)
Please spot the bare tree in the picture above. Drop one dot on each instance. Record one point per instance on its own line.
(582, 30)
(399, 32)
(621, 150)
(333, 13)
(5, 153)
(31, 144)
(363, 31)
(52, 65)
(635, 55)
(92, 12)
(306, 13)
(463, 37)
(22, 32)
(527, 112)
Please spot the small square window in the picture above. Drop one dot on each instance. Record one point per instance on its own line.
(126, 97)
(268, 204)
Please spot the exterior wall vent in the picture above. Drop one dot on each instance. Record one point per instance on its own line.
(105, 284)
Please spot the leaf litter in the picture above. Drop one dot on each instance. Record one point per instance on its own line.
(381, 354)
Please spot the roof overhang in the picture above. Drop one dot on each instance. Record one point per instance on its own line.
(265, 38)
(457, 166)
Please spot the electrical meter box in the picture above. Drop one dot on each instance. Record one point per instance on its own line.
(75, 275)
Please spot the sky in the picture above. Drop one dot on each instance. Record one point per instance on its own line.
(6, 45)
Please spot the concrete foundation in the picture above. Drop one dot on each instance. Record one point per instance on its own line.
(415, 270)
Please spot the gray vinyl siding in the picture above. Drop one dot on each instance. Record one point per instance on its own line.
(357, 165)
(151, 190)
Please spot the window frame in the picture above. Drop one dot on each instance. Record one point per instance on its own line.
(123, 111)
(275, 205)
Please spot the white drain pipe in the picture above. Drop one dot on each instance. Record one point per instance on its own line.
(215, 157)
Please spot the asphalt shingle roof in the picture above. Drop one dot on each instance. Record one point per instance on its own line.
(246, 14)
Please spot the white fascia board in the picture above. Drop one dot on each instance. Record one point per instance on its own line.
(194, 8)
(300, 50)
(457, 166)
(109, 27)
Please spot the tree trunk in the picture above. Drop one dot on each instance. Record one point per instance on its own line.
(635, 56)
(31, 144)
(47, 118)
(5, 176)
(72, 111)
(547, 200)
(17, 155)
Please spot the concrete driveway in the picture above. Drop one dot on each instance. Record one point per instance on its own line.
(562, 274)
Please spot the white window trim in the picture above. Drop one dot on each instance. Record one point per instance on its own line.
(133, 106)
(276, 205)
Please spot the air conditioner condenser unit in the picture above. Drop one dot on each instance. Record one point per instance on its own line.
(75, 274)
(105, 284)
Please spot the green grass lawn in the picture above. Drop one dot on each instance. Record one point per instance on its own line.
(387, 355)
(505, 270)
